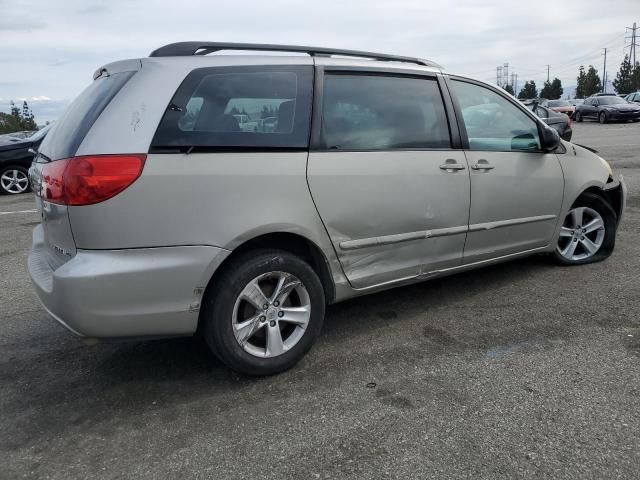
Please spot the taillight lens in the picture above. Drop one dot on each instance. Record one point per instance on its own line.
(89, 179)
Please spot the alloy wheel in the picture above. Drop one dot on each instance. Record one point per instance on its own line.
(271, 314)
(581, 234)
(14, 181)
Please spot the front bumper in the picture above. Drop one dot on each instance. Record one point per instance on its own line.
(617, 115)
(616, 191)
(125, 293)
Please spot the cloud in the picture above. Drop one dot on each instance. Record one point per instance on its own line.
(20, 25)
(94, 9)
(53, 51)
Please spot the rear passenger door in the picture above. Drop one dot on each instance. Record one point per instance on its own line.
(390, 189)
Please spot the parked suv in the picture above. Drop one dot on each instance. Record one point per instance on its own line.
(161, 216)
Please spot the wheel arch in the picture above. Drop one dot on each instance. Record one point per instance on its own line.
(293, 243)
(611, 193)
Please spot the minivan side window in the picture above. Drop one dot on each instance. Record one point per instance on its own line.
(244, 107)
(492, 122)
(378, 112)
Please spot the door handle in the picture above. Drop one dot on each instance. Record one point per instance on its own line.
(482, 165)
(451, 165)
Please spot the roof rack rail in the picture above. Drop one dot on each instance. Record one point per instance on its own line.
(185, 49)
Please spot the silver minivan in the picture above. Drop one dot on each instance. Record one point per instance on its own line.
(169, 209)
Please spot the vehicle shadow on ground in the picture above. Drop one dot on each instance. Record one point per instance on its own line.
(177, 358)
(113, 383)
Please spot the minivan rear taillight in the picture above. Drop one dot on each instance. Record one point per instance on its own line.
(89, 179)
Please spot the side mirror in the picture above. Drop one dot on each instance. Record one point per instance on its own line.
(550, 138)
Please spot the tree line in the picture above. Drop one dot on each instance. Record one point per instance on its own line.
(588, 83)
(17, 120)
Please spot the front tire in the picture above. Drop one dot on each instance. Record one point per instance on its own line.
(263, 312)
(14, 180)
(588, 232)
(579, 117)
(602, 118)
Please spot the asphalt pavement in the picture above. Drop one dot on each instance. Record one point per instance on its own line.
(522, 370)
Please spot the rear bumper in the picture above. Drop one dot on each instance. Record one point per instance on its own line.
(125, 293)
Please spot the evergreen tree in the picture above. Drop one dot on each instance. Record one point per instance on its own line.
(528, 91)
(552, 90)
(546, 91)
(623, 81)
(592, 83)
(15, 112)
(635, 78)
(18, 120)
(8, 123)
(556, 89)
(508, 88)
(28, 121)
(580, 82)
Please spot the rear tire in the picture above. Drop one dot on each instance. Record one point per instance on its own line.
(252, 339)
(588, 232)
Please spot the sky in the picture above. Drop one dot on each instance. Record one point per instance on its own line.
(49, 49)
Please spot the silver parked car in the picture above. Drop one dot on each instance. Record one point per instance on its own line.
(162, 216)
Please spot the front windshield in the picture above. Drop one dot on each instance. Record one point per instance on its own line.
(611, 100)
(559, 103)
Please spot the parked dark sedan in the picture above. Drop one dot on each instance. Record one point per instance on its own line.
(559, 121)
(606, 109)
(15, 161)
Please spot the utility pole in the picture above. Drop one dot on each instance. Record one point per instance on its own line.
(604, 73)
(548, 67)
(506, 74)
(634, 43)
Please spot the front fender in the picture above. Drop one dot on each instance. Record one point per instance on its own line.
(583, 170)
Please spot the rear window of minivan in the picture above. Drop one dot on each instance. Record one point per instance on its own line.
(239, 107)
(67, 134)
